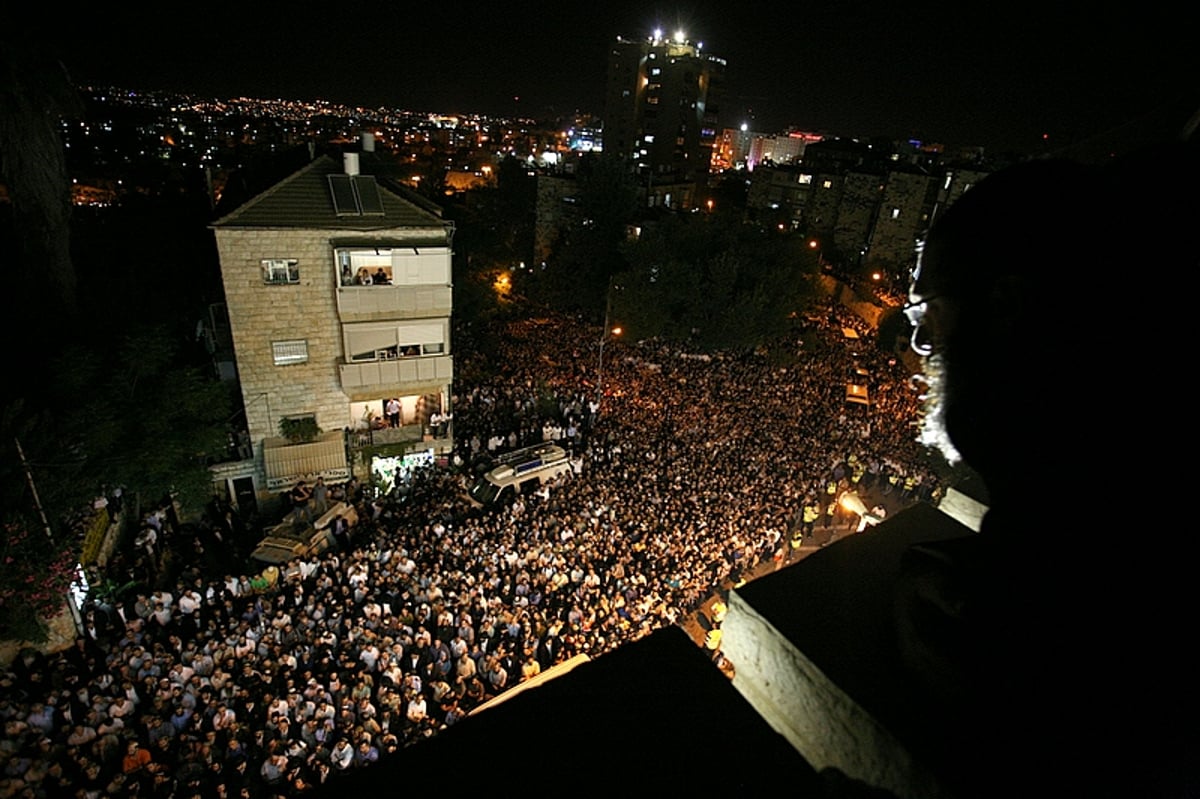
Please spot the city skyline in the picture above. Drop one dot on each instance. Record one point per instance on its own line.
(1001, 79)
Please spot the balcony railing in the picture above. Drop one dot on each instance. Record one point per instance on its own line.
(360, 439)
(396, 377)
(372, 303)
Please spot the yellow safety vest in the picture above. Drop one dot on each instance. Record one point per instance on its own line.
(718, 611)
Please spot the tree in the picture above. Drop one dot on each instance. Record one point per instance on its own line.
(35, 574)
(588, 251)
(714, 282)
(143, 412)
(36, 95)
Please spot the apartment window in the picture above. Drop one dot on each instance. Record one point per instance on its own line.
(289, 352)
(280, 270)
(374, 341)
(895, 213)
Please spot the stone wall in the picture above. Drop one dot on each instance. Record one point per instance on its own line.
(60, 635)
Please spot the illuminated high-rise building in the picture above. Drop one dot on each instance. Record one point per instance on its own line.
(662, 106)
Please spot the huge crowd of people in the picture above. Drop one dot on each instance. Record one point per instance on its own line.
(689, 471)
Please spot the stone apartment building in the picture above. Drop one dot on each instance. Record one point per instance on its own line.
(861, 218)
(338, 292)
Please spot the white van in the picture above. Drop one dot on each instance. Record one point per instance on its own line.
(515, 471)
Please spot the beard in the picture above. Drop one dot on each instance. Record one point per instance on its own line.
(932, 431)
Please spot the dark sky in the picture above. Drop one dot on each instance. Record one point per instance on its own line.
(991, 74)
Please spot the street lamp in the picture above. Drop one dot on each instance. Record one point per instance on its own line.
(815, 246)
(604, 334)
(604, 331)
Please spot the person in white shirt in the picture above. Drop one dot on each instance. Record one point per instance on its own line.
(416, 710)
(342, 755)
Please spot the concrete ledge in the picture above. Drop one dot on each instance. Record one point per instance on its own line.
(824, 723)
(815, 650)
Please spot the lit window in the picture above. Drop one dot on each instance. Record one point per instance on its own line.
(281, 270)
(804, 179)
(827, 184)
(289, 352)
(895, 213)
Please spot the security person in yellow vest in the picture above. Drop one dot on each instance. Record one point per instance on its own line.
(712, 642)
(719, 609)
(796, 543)
(811, 512)
(830, 512)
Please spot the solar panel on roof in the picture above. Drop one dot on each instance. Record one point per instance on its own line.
(344, 202)
(368, 195)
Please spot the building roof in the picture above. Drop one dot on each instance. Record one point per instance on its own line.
(306, 200)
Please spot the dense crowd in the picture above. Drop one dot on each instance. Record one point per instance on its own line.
(689, 471)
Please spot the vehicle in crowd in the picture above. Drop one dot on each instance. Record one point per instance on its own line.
(517, 472)
(857, 387)
(297, 536)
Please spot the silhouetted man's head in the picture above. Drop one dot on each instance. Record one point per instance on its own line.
(1025, 300)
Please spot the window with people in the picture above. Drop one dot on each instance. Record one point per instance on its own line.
(365, 276)
(381, 266)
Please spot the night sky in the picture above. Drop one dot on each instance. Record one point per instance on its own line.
(996, 75)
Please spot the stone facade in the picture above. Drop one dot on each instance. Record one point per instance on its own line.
(260, 314)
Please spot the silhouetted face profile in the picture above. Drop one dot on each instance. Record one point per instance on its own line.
(987, 308)
(933, 432)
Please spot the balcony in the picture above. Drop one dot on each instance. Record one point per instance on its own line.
(379, 303)
(286, 463)
(405, 434)
(367, 380)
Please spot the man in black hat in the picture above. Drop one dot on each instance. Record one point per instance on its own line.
(1049, 641)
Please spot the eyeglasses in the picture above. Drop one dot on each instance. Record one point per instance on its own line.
(914, 311)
